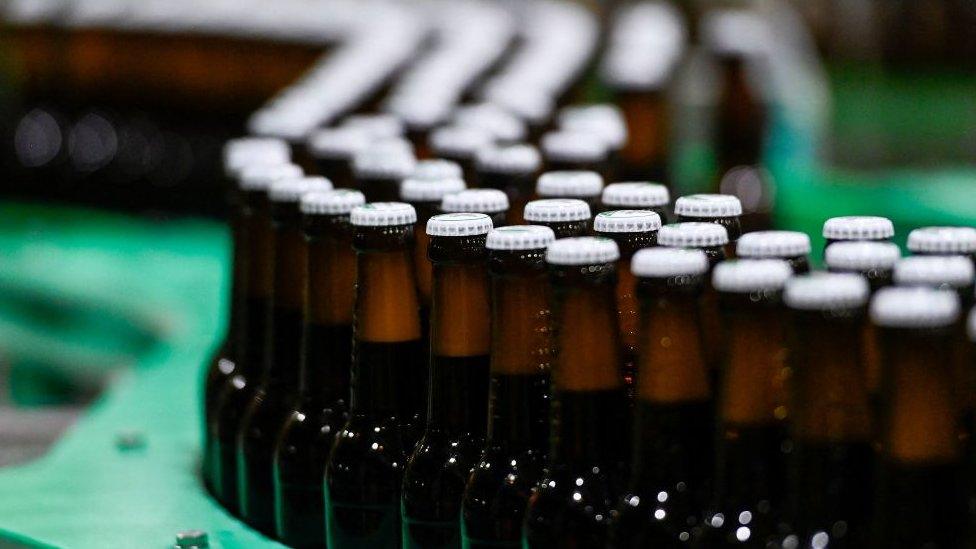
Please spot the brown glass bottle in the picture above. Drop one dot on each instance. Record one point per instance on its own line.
(302, 447)
(637, 195)
(790, 246)
(857, 228)
(435, 474)
(579, 184)
(498, 489)
(943, 241)
(491, 202)
(333, 150)
(565, 150)
(721, 209)
(234, 395)
(379, 169)
(571, 506)
(674, 426)
(511, 169)
(460, 144)
(832, 463)
(277, 392)
(365, 469)
(567, 217)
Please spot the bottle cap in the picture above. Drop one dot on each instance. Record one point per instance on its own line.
(429, 190)
(459, 141)
(378, 125)
(556, 210)
(942, 240)
(292, 189)
(532, 105)
(383, 214)
(636, 194)
(520, 237)
(603, 119)
(436, 168)
(861, 255)
(259, 177)
(692, 234)
(751, 275)
(511, 159)
(917, 307)
(383, 163)
(951, 271)
(569, 184)
(708, 205)
(667, 262)
(242, 152)
(486, 201)
(583, 250)
(626, 221)
(459, 224)
(858, 227)
(773, 244)
(334, 202)
(339, 143)
(573, 146)
(499, 123)
(826, 291)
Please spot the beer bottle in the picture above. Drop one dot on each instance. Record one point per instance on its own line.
(631, 230)
(378, 125)
(333, 150)
(460, 144)
(234, 395)
(753, 443)
(921, 500)
(567, 217)
(943, 241)
(275, 396)
(831, 466)
(365, 469)
(511, 169)
(674, 426)
(437, 168)
(721, 209)
(857, 227)
(302, 447)
(380, 169)
(565, 150)
(583, 480)
(492, 202)
(637, 195)
(242, 153)
(948, 272)
(503, 126)
(497, 492)
(584, 185)
(607, 121)
(790, 246)
(460, 334)
(532, 104)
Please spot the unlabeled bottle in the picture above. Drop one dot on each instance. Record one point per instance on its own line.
(580, 184)
(631, 230)
(943, 241)
(333, 150)
(791, 246)
(302, 447)
(567, 217)
(460, 144)
(832, 463)
(721, 209)
(365, 469)
(674, 425)
(571, 506)
(637, 195)
(491, 202)
(565, 150)
(234, 395)
(857, 227)
(753, 445)
(460, 339)
(497, 492)
(379, 169)
(512, 169)
(921, 500)
(277, 393)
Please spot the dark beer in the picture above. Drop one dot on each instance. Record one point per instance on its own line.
(565, 150)
(858, 228)
(584, 185)
(831, 467)
(379, 169)
(721, 209)
(567, 217)
(333, 150)
(460, 334)
(491, 202)
(497, 492)
(511, 169)
(276, 394)
(943, 241)
(588, 450)
(637, 195)
(674, 416)
(790, 246)
(365, 469)
(460, 144)
(302, 447)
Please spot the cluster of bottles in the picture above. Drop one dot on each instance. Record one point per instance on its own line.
(414, 363)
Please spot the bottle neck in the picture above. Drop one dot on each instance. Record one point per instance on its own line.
(289, 249)
(567, 229)
(240, 243)
(421, 243)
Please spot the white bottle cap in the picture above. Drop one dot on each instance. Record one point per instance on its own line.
(917, 307)
(573, 146)
(692, 234)
(603, 119)
(292, 189)
(511, 159)
(429, 190)
(626, 221)
(861, 255)
(773, 244)
(951, 271)
(459, 224)
(242, 152)
(379, 125)
(436, 168)
(858, 227)
(383, 163)
(556, 210)
(340, 143)
(943, 240)
(499, 123)
(520, 237)
(583, 250)
(635, 194)
(751, 275)
(459, 141)
(486, 201)
(334, 202)
(668, 262)
(826, 291)
(573, 184)
(708, 205)
(260, 177)
(383, 214)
